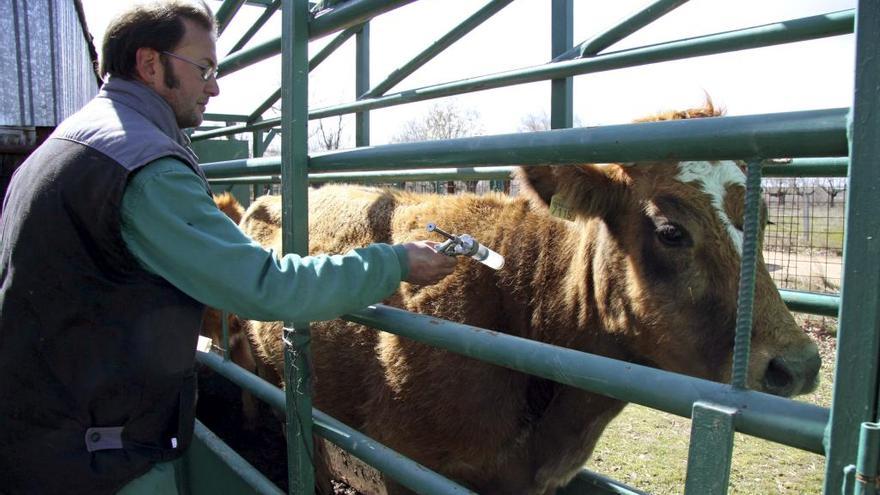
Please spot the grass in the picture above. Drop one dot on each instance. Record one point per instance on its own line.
(648, 449)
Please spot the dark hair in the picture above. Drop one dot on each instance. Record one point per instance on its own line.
(158, 25)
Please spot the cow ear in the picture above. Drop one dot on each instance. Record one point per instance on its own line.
(538, 183)
(570, 191)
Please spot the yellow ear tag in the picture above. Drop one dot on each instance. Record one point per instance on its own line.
(559, 209)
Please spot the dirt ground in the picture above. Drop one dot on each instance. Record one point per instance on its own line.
(816, 272)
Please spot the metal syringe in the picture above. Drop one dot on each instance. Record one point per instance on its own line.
(465, 245)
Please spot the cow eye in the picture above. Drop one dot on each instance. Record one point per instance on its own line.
(671, 234)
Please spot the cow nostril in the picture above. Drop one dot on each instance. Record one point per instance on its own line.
(778, 379)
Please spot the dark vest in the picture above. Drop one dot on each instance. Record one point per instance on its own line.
(96, 353)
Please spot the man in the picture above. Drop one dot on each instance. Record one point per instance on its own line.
(110, 248)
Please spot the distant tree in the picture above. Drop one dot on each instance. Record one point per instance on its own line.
(540, 121)
(443, 121)
(780, 188)
(326, 137)
(832, 187)
(534, 122)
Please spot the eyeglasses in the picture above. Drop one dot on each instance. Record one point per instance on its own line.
(207, 71)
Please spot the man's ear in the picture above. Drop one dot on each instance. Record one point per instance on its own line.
(148, 66)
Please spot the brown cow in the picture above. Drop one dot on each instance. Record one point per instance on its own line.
(643, 269)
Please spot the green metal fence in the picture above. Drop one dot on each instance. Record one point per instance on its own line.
(846, 433)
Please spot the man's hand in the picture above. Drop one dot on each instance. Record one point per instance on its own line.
(427, 266)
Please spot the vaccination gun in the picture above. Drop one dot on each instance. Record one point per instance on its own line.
(465, 245)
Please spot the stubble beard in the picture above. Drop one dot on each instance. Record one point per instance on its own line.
(185, 118)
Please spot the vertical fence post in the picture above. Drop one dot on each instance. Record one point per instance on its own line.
(869, 453)
(561, 93)
(257, 151)
(711, 449)
(362, 84)
(858, 338)
(294, 226)
(807, 215)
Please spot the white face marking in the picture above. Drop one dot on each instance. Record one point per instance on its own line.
(713, 179)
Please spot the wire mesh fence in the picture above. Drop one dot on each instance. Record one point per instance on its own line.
(803, 243)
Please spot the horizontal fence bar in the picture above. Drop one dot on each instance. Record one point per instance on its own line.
(268, 165)
(225, 117)
(799, 167)
(811, 302)
(808, 167)
(593, 483)
(406, 471)
(780, 420)
(237, 129)
(460, 173)
(793, 134)
(811, 133)
(463, 173)
(808, 28)
(255, 179)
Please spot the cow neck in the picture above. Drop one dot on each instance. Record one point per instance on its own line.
(545, 271)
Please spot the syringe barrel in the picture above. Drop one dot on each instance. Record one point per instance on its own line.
(488, 257)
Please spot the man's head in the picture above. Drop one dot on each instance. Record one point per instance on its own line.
(166, 45)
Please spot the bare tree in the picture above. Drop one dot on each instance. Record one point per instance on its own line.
(443, 121)
(325, 138)
(832, 187)
(534, 122)
(540, 121)
(779, 189)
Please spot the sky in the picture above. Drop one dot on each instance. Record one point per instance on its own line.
(802, 76)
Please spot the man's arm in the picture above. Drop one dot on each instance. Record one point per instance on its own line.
(174, 229)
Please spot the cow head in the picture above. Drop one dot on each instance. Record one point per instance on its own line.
(663, 243)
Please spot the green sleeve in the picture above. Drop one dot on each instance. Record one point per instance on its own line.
(174, 230)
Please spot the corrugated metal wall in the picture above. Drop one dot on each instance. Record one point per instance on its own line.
(46, 73)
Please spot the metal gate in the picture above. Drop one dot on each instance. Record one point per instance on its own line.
(845, 434)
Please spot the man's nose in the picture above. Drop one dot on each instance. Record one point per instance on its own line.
(212, 88)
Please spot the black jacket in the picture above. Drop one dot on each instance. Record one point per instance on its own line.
(96, 353)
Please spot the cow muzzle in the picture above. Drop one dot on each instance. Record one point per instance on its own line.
(794, 373)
